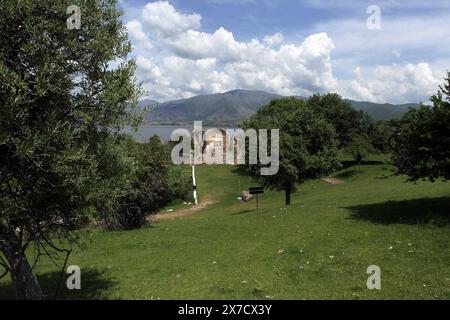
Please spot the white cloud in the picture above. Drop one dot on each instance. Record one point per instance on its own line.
(274, 39)
(134, 29)
(163, 17)
(189, 61)
(199, 45)
(406, 37)
(176, 77)
(409, 44)
(180, 60)
(405, 32)
(397, 83)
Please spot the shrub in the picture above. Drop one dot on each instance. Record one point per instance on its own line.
(152, 182)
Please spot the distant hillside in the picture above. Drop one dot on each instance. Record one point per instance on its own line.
(147, 104)
(385, 111)
(227, 109)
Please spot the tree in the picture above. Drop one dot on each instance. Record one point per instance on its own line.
(347, 121)
(381, 135)
(61, 103)
(153, 182)
(421, 140)
(360, 147)
(308, 145)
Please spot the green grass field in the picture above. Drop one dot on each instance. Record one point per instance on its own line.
(319, 248)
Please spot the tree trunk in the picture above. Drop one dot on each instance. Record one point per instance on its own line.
(359, 159)
(288, 192)
(27, 286)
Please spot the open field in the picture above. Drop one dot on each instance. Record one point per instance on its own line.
(319, 248)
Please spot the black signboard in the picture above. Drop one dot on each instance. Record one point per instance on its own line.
(257, 190)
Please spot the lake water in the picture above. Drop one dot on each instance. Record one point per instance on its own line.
(164, 132)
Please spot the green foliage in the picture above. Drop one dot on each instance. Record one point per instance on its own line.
(360, 147)
(308, 146)
(61, 104)
(148, 182)
(319, 248)
(381, 135)
(421, 142)
(346, 120)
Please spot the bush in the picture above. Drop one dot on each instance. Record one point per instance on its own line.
(152, 182)
(421, 139)
(360, 147)
(381, 136)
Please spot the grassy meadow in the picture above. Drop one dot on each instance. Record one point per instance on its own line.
(319, 248)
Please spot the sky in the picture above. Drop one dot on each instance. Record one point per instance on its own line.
(385, 51)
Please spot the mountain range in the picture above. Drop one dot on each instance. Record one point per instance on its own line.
(229, 108)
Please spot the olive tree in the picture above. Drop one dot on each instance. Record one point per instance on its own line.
(61, 100)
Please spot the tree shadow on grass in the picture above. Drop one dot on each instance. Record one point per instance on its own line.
(244, 212)
(347, 174)
(433, 211)
(94, 286)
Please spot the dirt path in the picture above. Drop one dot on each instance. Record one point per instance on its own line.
(183, 213)
(333, 181)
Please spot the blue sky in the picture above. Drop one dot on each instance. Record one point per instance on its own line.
(189, 47)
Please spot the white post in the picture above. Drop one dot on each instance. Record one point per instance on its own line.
(194, 185)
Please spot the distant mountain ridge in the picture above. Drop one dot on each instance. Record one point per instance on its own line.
(385, 111)
(229, 108)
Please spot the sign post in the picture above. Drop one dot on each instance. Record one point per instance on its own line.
(194, 186)
(256, 191)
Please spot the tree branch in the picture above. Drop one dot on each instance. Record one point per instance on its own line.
(4, 265)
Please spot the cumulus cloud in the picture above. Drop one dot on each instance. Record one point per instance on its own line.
(136, 33)
(189, 61)
(274, 39)
(402, 45)
(398, 82)
(163, 17)
(200, 45)
(177, 59)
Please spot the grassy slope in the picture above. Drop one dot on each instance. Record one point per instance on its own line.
(318, 248)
